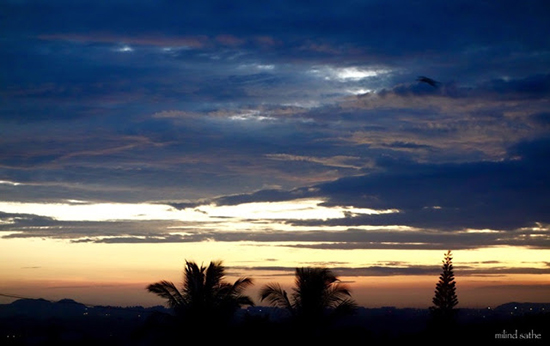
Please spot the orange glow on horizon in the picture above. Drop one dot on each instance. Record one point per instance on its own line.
(118, 273)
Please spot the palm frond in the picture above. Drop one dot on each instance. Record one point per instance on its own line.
(193, 279)
(241, 284)
(167, 290)
(345, 307)
(275, 296)
(338, 291)
(204, 293)
(244, 300)
(214, 275)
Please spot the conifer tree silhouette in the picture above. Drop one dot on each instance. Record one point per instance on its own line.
(445, 298)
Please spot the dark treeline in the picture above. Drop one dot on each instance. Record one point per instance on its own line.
(40, 322)
(319, 309)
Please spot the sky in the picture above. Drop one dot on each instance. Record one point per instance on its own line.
(136, 135)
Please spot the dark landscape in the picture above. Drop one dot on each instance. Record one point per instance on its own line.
(67, 322)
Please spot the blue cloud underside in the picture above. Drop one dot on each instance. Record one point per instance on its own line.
(191, 103)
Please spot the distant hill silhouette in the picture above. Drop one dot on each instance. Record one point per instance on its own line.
(42, 308)
(42, 322)
(64, 308)
(67, 322)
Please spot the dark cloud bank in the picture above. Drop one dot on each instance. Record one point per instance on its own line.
(459, 206)
(186, 101)
(503, 195)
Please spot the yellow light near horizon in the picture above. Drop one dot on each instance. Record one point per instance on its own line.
(503, 256)
(46, 267)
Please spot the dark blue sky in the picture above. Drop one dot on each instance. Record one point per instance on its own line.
(191, 102)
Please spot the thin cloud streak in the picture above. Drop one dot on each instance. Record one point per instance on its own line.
(406, 270)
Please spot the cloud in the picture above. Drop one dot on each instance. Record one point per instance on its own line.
(502, 195)
(412, 269)
(336, 161)
(278, 232)
(535, 86)
(10, 183)
(210, 102)
(8, 220)
(160, 40)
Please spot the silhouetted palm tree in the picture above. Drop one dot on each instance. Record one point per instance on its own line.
(318, 294)
(204, 295)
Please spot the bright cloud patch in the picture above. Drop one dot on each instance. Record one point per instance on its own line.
(343, 74)
(310, 209)
(10, 183)
(94, 211)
